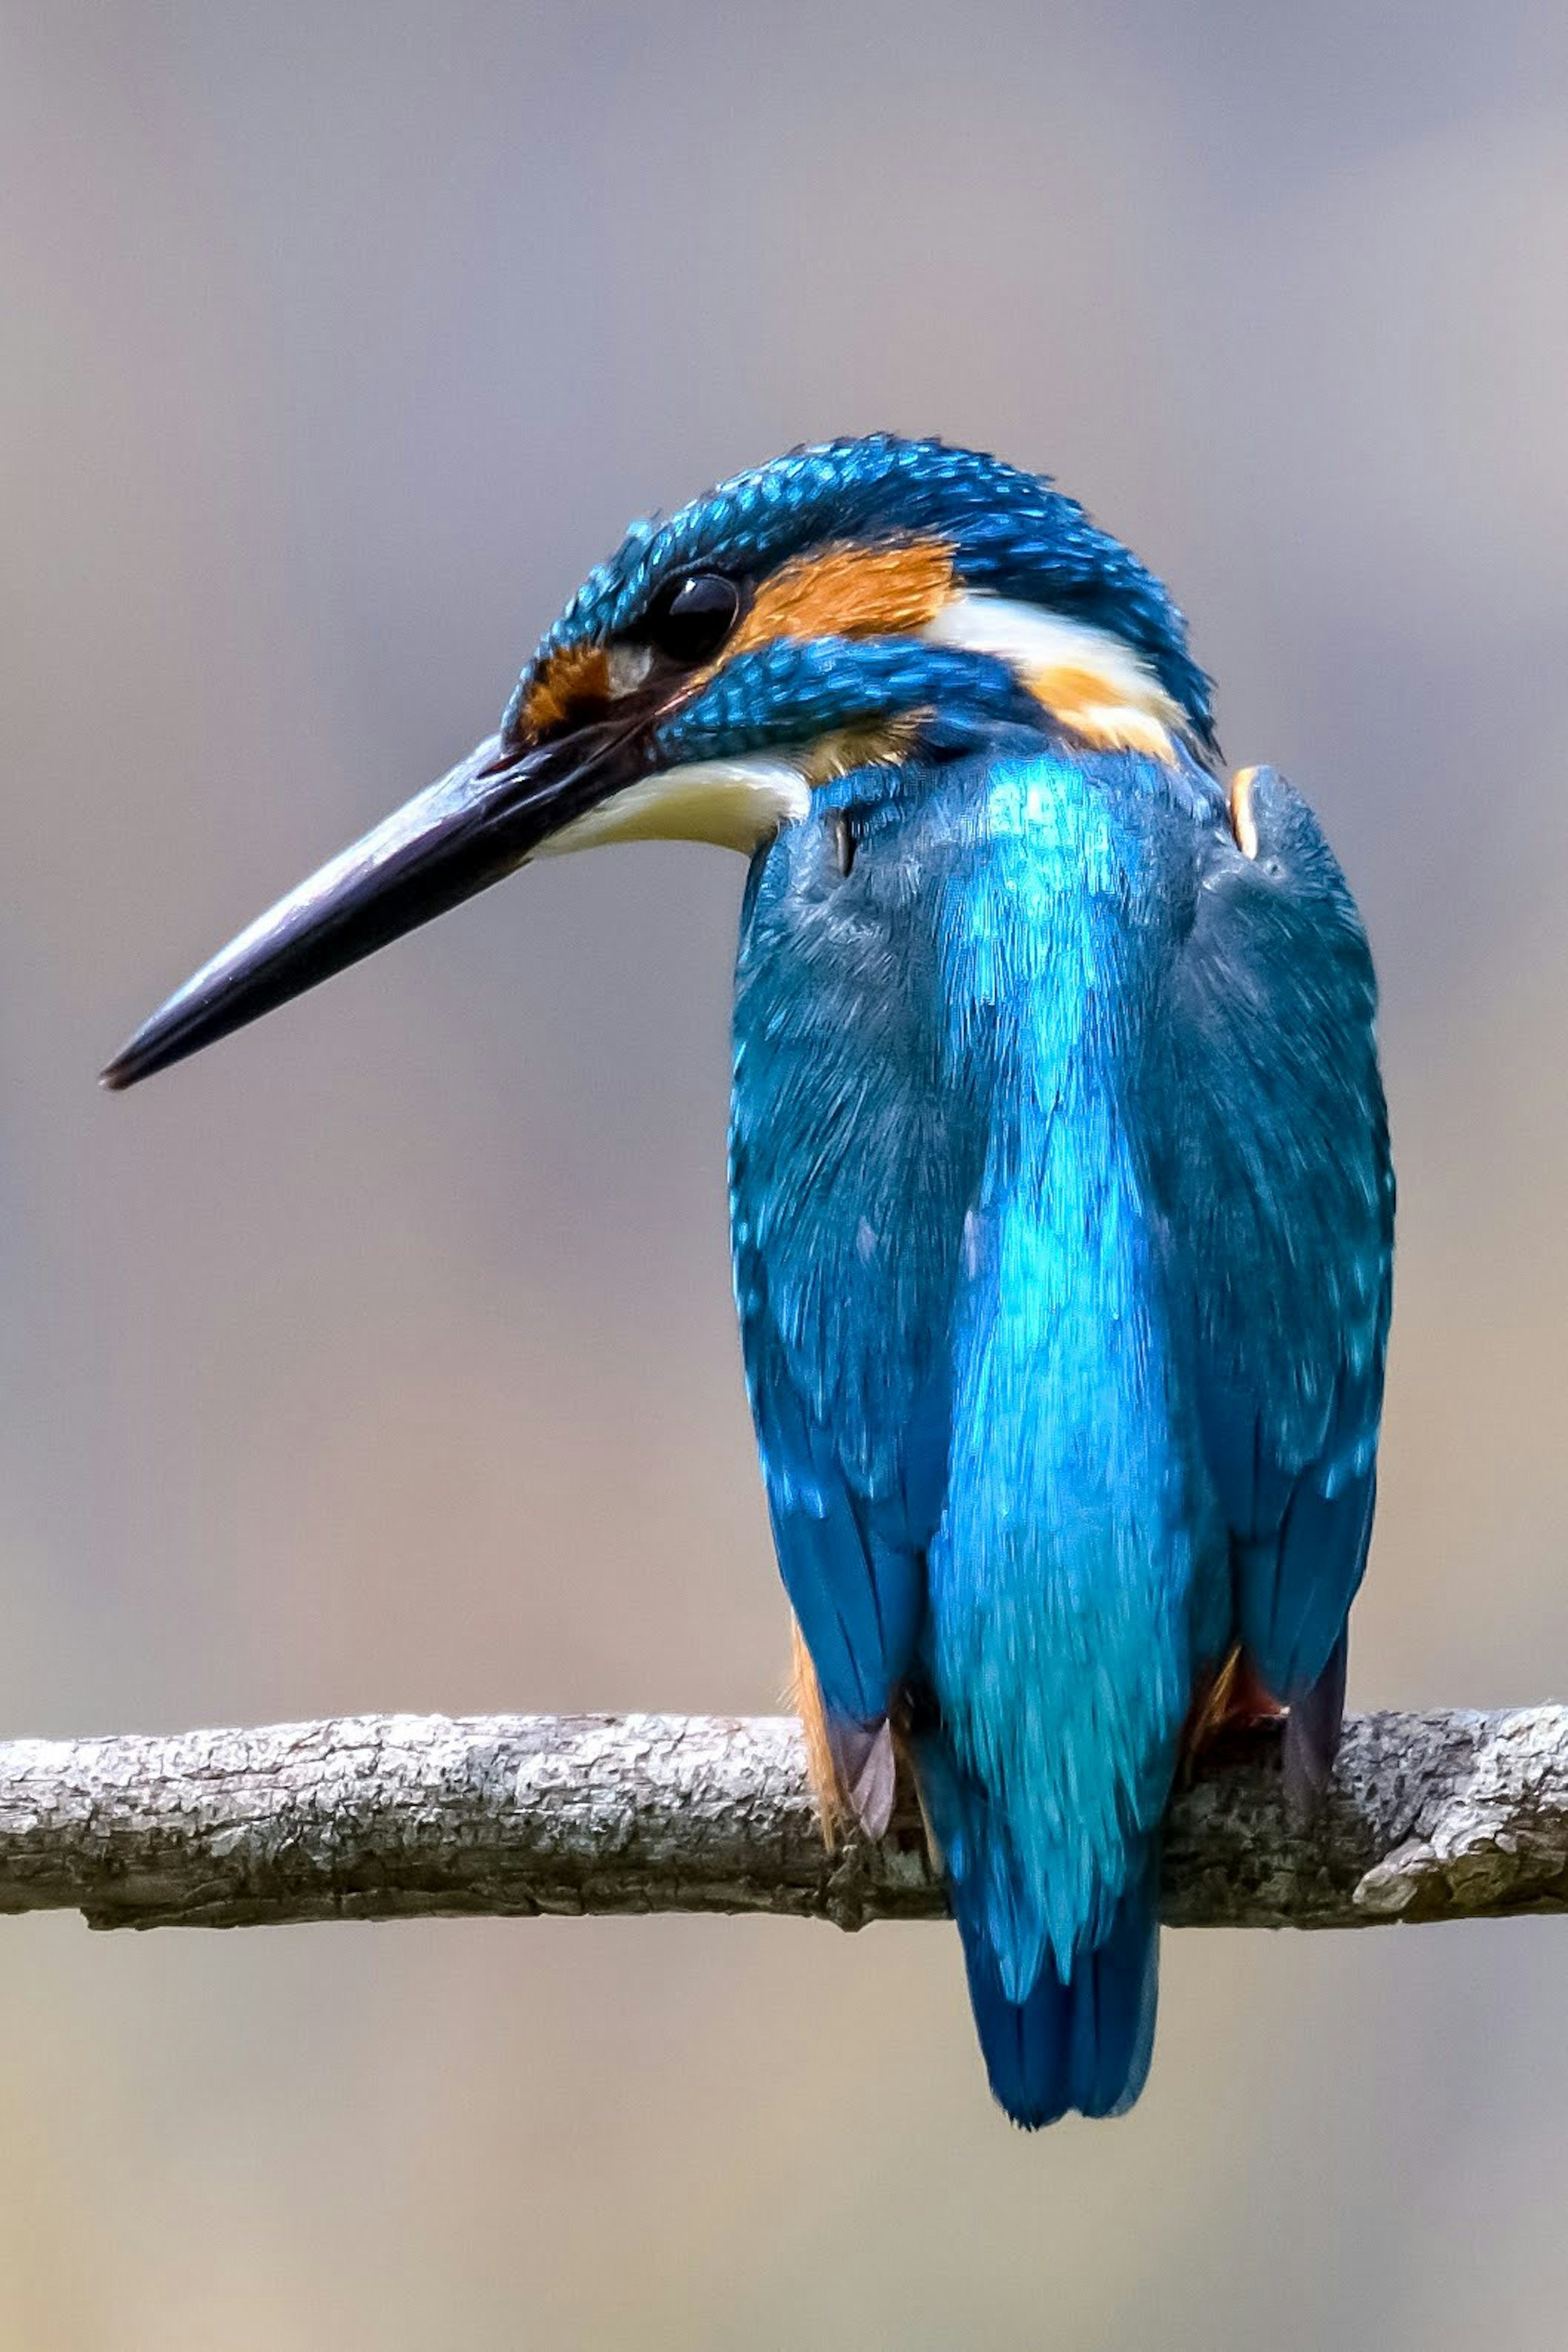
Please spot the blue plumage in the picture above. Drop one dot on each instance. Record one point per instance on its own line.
(1079, 2045)
(1014, 534)
(1062, 1209)
(1061, 1239)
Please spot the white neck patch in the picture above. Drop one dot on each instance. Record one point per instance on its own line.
(1089, 677)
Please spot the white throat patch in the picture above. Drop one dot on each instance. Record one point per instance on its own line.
(733, 803)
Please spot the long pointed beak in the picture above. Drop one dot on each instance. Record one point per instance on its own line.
(479, 823)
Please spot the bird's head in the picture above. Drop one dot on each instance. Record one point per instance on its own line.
(853, 605)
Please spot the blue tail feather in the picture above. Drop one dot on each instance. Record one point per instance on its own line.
(1082, 2046)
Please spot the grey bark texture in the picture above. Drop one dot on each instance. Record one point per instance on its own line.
(395, 1816)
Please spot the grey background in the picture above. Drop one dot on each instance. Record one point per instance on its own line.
(384, 1358)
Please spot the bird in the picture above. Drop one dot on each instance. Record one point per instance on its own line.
(1061, 1198)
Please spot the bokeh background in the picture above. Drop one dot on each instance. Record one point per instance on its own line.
(384, 1357)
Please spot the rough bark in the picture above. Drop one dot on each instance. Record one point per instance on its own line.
(380, 1817)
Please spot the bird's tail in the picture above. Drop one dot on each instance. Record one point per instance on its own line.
(1080, 2046)
(1074, 2044)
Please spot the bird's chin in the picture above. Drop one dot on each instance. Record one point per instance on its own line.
(730, 803)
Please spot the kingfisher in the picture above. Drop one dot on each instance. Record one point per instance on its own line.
(1061, 1201)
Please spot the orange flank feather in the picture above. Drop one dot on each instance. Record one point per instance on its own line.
(805, 1696)
(888, 1795)
(850, 591)
(572, 680)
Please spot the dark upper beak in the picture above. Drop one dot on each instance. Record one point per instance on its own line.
(454, 839)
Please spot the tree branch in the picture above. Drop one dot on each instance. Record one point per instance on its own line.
(381, 1817)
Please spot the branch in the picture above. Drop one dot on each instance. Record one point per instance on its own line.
(381, 1817)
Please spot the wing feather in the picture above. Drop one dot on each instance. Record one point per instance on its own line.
(1281, 1192)
(850, 1167)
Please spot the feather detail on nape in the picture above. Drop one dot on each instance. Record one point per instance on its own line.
(1092, 682)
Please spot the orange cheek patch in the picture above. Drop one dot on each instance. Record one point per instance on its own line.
(850, 591)
(576, 678)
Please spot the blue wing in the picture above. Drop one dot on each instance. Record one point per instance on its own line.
(850, 1165)
(1280, 1199)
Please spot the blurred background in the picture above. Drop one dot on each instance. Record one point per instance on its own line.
(384, 1358)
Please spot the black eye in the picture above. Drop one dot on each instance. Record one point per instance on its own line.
(689, 619)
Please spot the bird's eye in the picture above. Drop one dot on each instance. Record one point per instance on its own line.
(689, 619)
